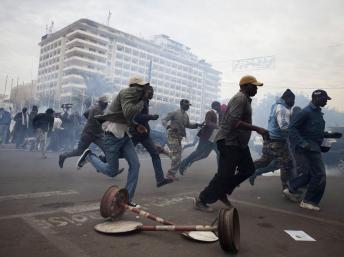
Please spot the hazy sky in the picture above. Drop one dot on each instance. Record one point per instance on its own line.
(306, 37)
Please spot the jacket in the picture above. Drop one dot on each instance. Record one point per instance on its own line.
(43, 121)
(92, 125)
(279, 120)
(308, 127)
(177, 121)
(125, 106)
(5, 117)
(20, 123)
(211, 123)
(142, 118)
(239, 108)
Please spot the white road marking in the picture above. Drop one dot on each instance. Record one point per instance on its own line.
(65, 245)
(70, 210)
(168, 201)
(36, 195)
(299, 235)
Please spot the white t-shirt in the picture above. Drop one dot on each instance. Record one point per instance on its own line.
(117, 129)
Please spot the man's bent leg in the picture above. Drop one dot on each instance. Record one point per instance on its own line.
(217, 187)
(113, 147)
(84, 143)
(201, 152)
(245, 168)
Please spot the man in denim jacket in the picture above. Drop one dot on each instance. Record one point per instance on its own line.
(308, 132)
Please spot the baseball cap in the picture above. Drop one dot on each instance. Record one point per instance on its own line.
(138, 80)
(248, 79)
(321, 93)
(103, 99)
(185, 102)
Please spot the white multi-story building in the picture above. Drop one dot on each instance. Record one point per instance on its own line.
(86, 54)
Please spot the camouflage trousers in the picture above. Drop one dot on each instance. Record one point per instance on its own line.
(275, 155)
(174, 142)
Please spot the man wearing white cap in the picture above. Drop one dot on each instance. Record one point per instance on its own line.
(92, 132)
(118, 118)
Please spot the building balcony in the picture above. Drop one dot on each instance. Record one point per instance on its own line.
(80, 41)
(78, 33)
(73, 85)
(77, 60)
(73, 77)
(77, 50)
(67, 94)
(78, 69)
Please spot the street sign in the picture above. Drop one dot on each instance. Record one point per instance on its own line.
(255, 63)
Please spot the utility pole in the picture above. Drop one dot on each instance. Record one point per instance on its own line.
(9, 95)
(5, 84)
(150, 71)
(108, 19)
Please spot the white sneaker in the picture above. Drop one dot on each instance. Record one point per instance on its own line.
(309, 206)
(292, 197)
(135, 205)
(82, 160)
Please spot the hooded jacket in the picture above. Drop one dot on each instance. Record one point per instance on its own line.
(125, 106)
(279, 120)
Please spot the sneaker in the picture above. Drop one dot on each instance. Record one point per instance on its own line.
(198, 205)
(165, 181)
(291, 196)
(252, 179)
(226, 202)
(82, 160)
(309, 206)
(134, 205)
(61, 160)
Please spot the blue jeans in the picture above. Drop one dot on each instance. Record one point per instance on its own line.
(148, 143)
(314, 178)
(116, 148)
(4, 133)
(202, 151)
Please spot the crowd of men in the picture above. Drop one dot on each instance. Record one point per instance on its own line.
(31, 131)
(292, 141)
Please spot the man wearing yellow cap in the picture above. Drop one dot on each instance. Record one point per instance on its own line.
(232, 143)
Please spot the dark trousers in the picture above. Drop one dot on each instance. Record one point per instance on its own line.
(148, 143)
(202, 151)
(314, 177)
(20, 134)
(226, 179)
(85, 140)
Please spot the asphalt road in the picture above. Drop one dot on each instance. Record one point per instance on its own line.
(46, 211)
